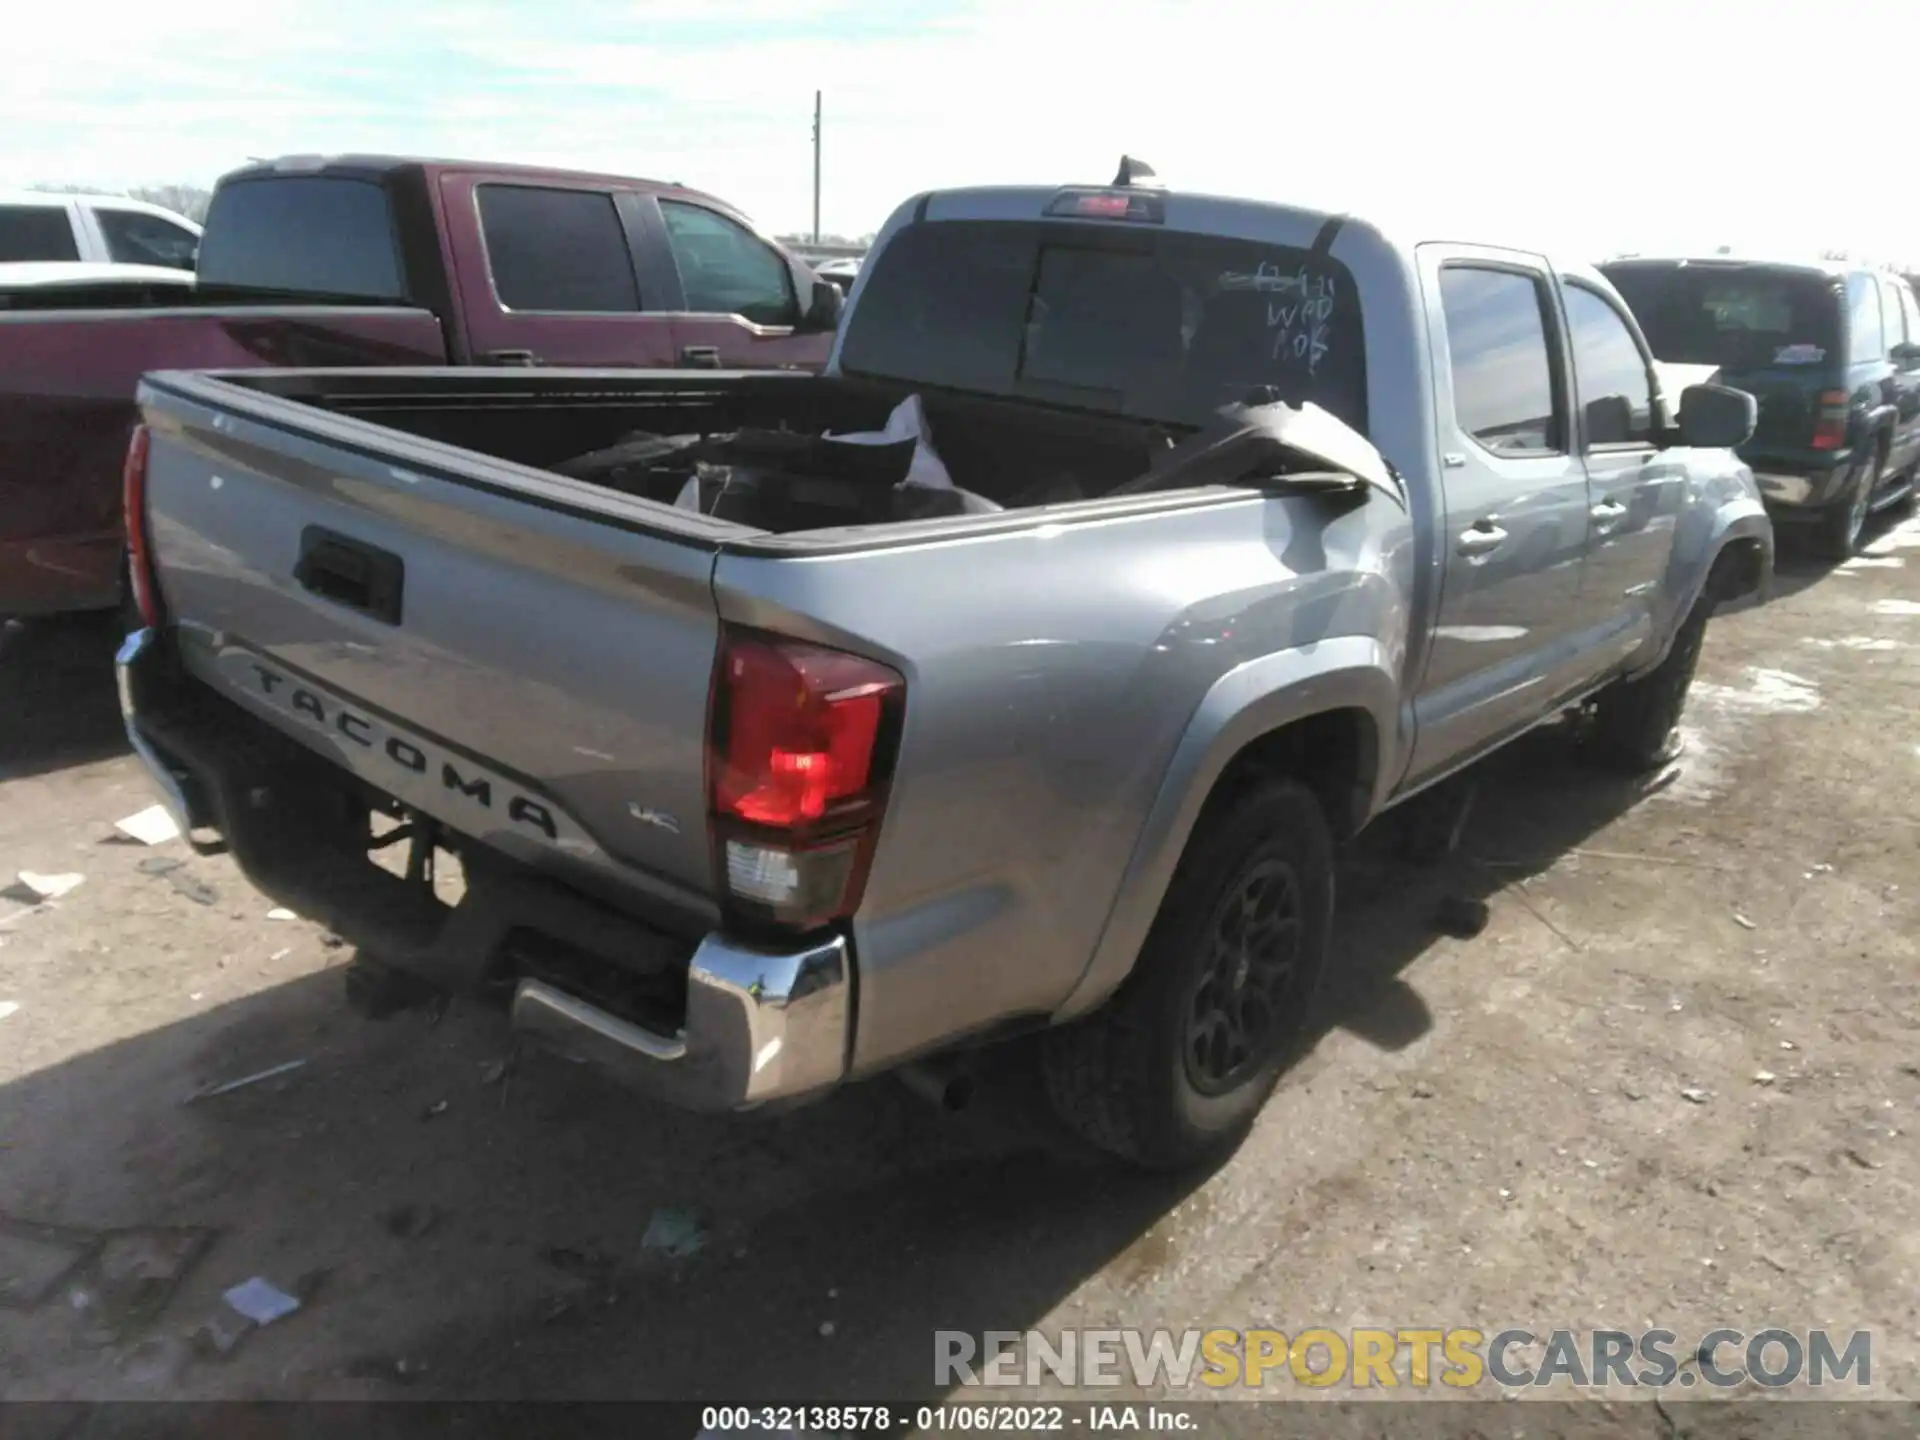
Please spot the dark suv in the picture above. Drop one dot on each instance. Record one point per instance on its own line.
(1832, 353)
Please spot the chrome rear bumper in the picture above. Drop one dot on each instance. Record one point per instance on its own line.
(127, 669)
(761, 1025)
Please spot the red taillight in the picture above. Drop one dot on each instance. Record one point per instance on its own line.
(133, 502)
(1830, 424)
(802, 745)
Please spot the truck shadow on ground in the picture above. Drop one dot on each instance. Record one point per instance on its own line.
(485, 1235)
(57, 701)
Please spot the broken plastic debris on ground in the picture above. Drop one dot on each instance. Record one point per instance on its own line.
(9, 1007)
(227, 1087)
(30, 887)
(151, 826)
(248, 1306)
(261, 1301)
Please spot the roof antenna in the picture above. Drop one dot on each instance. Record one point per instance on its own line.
(1136, 173)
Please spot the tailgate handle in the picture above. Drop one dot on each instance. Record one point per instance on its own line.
(351, 572)
(700, 357)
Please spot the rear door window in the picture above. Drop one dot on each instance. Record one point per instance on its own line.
(319, 235)
(1500, 360)
(725, 269)
(135, 238)
(1160, 325)
(37, 232)
(1893, 321)
(1738, 317)
(557, 251)
(1616, 393)
(1910, 307)
(1864, 340)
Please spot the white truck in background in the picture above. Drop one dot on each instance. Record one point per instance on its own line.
(43, 225)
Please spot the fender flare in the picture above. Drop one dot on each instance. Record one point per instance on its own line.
(1736, 521)
(1250, 701)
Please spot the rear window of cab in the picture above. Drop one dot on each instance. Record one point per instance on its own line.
(1156, 325)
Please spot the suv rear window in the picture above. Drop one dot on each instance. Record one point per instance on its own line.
(1161, 326)
(1742, 317)
(307, 234)
(37, 232)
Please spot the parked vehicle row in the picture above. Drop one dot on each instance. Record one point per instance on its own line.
(1256, 521)
(1831, 351)
(371, 260)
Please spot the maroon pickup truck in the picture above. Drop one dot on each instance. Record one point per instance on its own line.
(371, 260)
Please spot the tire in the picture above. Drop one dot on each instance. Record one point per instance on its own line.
(1842, 523)
(1143, 1077)
(1636, 723)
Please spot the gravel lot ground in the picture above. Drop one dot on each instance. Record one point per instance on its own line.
(1492, 1131)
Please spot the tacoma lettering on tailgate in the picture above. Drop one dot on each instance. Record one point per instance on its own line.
(455, 788)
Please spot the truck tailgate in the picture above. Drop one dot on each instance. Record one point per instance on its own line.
(518, 655)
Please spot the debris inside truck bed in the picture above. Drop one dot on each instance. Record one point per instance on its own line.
(784, 480)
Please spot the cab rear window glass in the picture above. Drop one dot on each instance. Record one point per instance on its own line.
(305, 235)
(1154, 324)
(1742, 317)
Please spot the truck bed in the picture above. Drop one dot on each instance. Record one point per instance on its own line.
(527, 657)
(1013, 454)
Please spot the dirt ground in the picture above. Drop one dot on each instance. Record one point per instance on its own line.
(1675, 1082)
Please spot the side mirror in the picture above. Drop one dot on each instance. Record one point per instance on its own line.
(823, 314)
(1906, 355)
(1716, 417)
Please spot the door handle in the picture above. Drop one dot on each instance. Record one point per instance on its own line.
(700, 357)
(512, 357)
(1482, 538)
(1607, 514)
(352, 573)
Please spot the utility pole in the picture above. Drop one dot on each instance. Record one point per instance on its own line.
(816, 167)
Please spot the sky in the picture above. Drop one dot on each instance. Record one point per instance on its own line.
(1580, 127)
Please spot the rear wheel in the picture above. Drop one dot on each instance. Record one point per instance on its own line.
(1843, 522)
(1636, 723)
(1173, 1069)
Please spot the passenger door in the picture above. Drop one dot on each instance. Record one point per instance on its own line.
(1901, 320)
(1635, 492)
(1514, 527)
(741, 303)
(553, 273)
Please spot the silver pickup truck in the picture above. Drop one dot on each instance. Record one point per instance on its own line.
(1021, 672)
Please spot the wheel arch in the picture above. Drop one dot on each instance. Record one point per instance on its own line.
(1323, 714)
